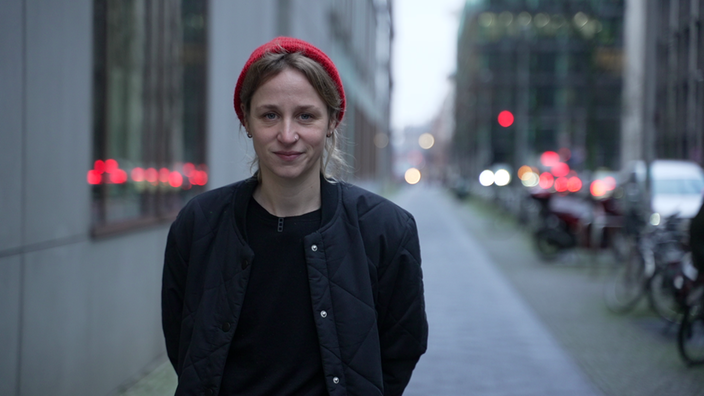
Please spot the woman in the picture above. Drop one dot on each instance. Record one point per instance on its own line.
(291, 283)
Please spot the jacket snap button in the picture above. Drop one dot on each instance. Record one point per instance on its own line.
(245, 263)
(226, 326)
(314, 248)
(323, 314)
(335, 380)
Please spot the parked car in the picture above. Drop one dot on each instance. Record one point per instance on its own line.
(677, 186)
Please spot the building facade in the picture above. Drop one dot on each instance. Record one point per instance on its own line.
(664, 91)
(115, 113)
(555, 66)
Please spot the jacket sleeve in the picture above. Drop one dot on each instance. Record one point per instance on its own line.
(172, 291)
(403, 327)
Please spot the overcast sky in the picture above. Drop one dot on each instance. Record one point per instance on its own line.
(425, 45)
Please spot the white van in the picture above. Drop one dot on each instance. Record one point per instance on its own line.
(677, 186)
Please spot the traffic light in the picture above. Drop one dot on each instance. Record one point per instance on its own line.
(505, 118)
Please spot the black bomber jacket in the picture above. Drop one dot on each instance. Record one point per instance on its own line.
(363, 269)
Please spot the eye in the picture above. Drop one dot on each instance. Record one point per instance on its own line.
(270, 116)
(306, 117)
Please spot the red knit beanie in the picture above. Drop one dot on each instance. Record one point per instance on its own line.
(290, 45)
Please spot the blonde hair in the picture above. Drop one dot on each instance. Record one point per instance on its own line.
(333, 165)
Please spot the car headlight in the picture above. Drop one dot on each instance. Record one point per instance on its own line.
(655, 219)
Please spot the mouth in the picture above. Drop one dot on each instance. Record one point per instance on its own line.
(288, 155)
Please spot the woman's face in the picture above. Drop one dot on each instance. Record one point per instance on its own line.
(288, 122)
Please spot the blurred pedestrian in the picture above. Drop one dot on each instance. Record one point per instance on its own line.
(292, 282)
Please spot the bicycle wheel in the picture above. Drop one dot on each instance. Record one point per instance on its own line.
(690, 339)
(662, 296)
(546, 244)
(623, 290)
(618, 244)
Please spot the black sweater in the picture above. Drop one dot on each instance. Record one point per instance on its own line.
(275, 348)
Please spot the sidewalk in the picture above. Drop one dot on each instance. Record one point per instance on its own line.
(160, 382)
(484, 340)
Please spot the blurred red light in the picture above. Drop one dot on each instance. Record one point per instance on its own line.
(175, 179)
(560, 169)
(164, 175)
(99, 166)
(549, 158)
(597, 188)
(561, 184)
(118, 176)
(506, 118)
(574, 184)
(188, 168)
(198, 178)
(546, 180)
(151, 175)
(111, 165)
(137, 174)
(94, 177)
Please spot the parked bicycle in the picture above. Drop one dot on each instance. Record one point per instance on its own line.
(629, 284)
(653, 268)
(690, 337)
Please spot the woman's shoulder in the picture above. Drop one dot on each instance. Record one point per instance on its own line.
(205, 209)
(371, 207)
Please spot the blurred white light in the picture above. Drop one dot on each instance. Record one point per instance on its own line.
(655, 219)
(486, 178)
(486, 19)
(542, 20)
(506, 18)
(530, 179)
(580, 19)
(381, 140)
(524, 18)
(502, 177)
(426, 141)
(412, 176)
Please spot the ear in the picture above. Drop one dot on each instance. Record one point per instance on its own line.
(333, 125)
(244, 115)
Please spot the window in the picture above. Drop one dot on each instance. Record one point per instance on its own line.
(543, 63)
(149, 110)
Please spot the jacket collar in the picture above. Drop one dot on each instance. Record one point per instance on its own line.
(329, 197)
(330, 200)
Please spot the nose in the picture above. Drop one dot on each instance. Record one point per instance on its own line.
(287, 134)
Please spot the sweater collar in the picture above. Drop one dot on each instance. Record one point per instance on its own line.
(329, 197)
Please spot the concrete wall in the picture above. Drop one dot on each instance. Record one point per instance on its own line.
(81, 315)
(233, 35)
(639, 82)
(634, 81)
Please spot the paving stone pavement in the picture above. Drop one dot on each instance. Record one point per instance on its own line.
(484, 340)
(632, 354)
(159, 382)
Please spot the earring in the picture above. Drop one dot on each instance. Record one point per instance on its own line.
(329, 134)
(249, 135)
